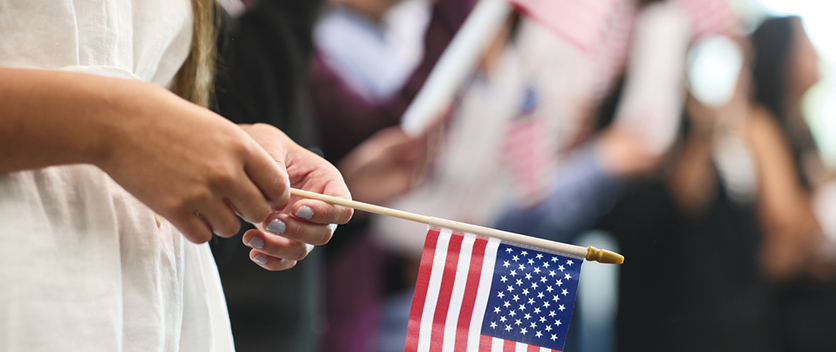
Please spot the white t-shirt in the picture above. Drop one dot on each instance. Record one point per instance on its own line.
(84, 266)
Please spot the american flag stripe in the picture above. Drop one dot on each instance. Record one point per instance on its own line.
(470, 291)
(448, 277)
(420, 294)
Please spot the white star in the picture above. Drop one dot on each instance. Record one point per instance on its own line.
(524, 253)
(539, 334)
(525, 291)
(509, 250)
(568, 276)
(534, 286)
(569, 262)
(513, 273)
(559, 282)
(527, 316)
(522, 306)
(561, 308)
(497, 310)
(512, 313)
(557, 323)
(530, 261)
(523, 331)
(506, 264)
(540, 295)
(531, 301)
(515, 258)
(528, 276)
(554, 259)
(552, 273)
(493, 325)
(519, 282)
(539, 256)
(516, 298)
(510, 288)
(552, 313)
(506, 304)
(549, 289)
(543, 279)
(500, 294)
(536, 270)
(522, 267)
(503, 278)
(518, 322)
(554, 337)
(560, 267)
(542, 319)
(555, 298)
(547, 304)
(548, 328)
(546, 264)
(502, 319)
(533, 325)
(565, 292)
(537, 310)
(507, 327)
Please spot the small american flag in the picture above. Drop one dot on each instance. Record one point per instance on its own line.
(581, 22)
(480, 294)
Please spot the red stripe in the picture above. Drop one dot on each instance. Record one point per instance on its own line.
(485, 342)
(421, 286)
(471, 287)
(509, 346)
(448, 278)
(533, 348)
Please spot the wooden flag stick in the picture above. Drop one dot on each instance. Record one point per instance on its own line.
(588, 253)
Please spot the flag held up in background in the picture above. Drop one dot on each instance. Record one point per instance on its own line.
(581, 22)
(482, 294)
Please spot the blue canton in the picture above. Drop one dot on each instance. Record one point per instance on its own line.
(532, 296)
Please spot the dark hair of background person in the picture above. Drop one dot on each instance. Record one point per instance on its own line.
(773, 46)
(772, 42)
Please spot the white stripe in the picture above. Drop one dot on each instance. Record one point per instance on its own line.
(482, 296)
(521, 347)
(545, 349)
(462, 270)
(425, 331)
(496, 344)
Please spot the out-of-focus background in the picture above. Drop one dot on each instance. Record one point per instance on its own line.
(696, 137)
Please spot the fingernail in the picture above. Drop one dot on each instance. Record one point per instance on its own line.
(256, 242)
(276, 226)
(260, 259)
(305, 212)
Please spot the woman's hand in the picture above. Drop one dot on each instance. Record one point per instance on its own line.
(289, 234)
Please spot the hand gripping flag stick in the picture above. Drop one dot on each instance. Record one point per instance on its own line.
(588, 253)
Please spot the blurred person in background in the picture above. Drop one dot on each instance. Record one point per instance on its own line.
(797, 255)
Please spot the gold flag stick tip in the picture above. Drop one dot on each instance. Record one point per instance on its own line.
(590, 253)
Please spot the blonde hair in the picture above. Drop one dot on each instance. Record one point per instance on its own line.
(194, 81)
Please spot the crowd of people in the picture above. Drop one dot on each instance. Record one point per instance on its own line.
(149, 149)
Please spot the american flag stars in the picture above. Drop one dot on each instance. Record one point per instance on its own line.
(543, 290)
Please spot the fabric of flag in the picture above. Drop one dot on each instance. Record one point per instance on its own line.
(479, 294)
(527, 153)
(582, 22)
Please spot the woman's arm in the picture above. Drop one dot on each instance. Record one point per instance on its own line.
(790, 227)
(174, 156)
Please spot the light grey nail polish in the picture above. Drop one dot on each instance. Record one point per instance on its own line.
(276, 226)
(305, 212)
(260, 259)
(256, 243)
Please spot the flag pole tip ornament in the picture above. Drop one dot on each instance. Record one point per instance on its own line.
(603, 256)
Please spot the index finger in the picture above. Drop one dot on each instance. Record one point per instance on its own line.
(320, 212)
